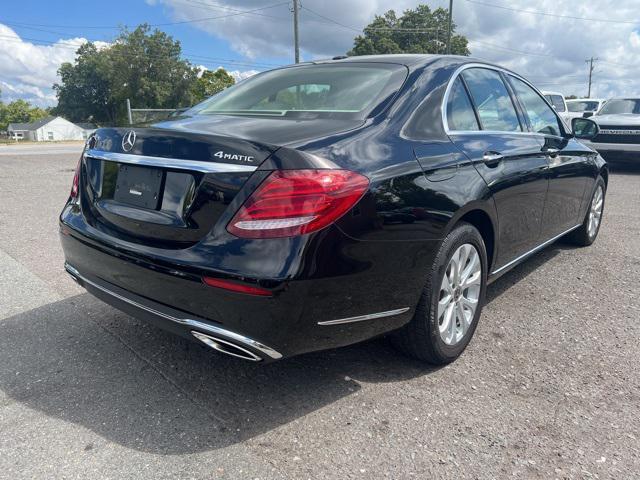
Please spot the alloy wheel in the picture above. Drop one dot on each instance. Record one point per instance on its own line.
(595, 212)
(459, 294)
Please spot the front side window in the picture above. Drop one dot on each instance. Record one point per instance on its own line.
(346, 90)
(460, 114)
(492, 100)
(541, 116)
(627, 105)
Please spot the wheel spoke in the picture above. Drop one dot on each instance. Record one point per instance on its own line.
(443, 304)
(462, 317)
(459, 294)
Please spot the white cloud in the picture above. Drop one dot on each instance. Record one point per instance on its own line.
(28, 70)
(562, 44)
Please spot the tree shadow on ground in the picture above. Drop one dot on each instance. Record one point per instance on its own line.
(84, 362)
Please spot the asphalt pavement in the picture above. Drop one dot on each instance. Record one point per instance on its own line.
(548, 388)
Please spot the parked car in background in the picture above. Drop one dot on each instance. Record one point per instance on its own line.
(556, 100)
(326, 203)
(619, 137)
(583, 107)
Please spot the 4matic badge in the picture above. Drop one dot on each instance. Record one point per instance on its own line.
(233, 156)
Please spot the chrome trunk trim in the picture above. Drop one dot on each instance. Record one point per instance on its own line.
(174, 163)
(228, 335)
(370, 316)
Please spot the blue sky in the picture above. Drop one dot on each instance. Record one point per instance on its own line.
(547, 42)
(196, 42)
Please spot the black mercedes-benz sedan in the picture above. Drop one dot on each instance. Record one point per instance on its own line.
(325, 203)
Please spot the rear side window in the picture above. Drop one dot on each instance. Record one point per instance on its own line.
(460, 114)
(541, 116)
(492, 100)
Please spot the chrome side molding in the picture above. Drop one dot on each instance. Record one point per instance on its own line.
(175, 163)
(362, 318)
(230, 338)
(534, 250)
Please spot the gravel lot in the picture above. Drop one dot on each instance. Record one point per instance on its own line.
(548, 388)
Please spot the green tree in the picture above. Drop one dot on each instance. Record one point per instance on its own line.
(84, 91)
(210, 83)
(421, 30)
(142, 65)
(19, 111)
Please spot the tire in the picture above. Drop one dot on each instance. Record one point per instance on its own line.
(584, 236)
(421, 338)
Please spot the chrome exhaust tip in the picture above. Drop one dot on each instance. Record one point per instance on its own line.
(224, 346)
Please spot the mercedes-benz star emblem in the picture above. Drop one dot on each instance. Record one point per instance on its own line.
(128, 141)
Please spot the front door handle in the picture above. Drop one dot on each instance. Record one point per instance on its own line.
(492, 159)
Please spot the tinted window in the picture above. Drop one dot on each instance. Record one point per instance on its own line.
(541, 116)
(492, 100)
(351, 90)
(460, 114)
(621, 106)
(556, 101)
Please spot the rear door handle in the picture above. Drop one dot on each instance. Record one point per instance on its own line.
(492, 159)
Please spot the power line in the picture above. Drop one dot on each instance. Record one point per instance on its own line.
(373, 29)
(183, 22)
(547, 14)
(200, 58)
(210, 5)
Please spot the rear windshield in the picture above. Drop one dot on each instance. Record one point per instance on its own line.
(621, 106)
(556, 101)
(582, 106)
(333, 90)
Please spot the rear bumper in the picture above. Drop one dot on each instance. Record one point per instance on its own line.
(368, 291)
(171, 319)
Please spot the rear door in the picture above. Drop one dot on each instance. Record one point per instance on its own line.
(485, 124)
(570, 169)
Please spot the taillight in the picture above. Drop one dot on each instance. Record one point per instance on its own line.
(236, 287)
(75, 186)
(295, 202)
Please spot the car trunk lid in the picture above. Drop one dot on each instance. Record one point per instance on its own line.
(164, 187)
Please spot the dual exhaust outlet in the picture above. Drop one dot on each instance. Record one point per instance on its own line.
(225, 346)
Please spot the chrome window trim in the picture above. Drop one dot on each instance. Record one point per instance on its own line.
(445, 101)
(370, 316)
(173, 163)
(205, 327)
(534, 250)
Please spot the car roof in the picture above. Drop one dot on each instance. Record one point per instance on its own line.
(585, 100)
(411, 60)
(547, 92)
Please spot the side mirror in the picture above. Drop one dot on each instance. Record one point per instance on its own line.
(584, 128)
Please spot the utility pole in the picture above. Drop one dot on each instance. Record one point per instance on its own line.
(296, 39)
(590, 62)
(449, 29)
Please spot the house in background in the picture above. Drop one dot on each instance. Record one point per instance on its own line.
(48, 129)
(88, 128)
